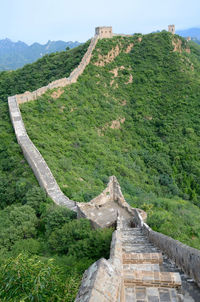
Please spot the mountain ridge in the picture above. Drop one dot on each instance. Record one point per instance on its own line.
(193, 32)
(14, 55)
(134, 113)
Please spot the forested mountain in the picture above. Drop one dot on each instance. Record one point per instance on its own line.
(14, 55)
(133, 113)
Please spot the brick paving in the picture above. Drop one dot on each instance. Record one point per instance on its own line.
(144, 280)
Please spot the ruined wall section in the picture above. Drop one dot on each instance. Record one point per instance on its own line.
(102, 211)
(185, 257)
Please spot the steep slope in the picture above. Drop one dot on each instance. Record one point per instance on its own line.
(47, 69)
(134, 114)
(16, 178)
(14, 55)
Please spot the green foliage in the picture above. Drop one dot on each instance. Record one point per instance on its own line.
(27, 224)
(176, 218)
(17, 222)
(78, 240)
(16, 177)
(29, 279)
(93, 247)
(150, 150)
(145, 131)
(29, 246)
(154, 152)
(61, 239)
(14, 55)
(55, 217)
(37, 199)
(34, 278)
(47, 69)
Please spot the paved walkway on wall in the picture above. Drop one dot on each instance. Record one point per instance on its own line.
(144, 278)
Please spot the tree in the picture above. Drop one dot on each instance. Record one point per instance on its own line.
(17, 222)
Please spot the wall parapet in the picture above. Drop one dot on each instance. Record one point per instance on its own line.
(30, 96)
(31, 153)
(35, 159)
(185, 257)
(102, 281)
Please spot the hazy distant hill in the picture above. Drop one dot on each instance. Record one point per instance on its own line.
(190, 32)
(14, 55)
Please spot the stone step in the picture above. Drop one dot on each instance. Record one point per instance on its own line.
(134, 240)
(138, 244)
(139, 250)
(150, 294)
(143, 258)
(152, 279)
(132, 230)
(131, 234)
(129, 268)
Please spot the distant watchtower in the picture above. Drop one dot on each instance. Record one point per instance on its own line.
(171, 29)
(104, 32)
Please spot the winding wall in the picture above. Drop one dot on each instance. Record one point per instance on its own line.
(31, 153)
(102, 281)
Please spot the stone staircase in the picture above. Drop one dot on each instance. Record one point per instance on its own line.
(143, 278)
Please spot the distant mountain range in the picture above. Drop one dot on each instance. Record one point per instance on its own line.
(14, 55)
(194, 33)
(190, 32)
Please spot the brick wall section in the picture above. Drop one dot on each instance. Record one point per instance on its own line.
(31, 153)
(185, 257)
(35, 159)
(29, 96)
(102, 282)
(102, 210)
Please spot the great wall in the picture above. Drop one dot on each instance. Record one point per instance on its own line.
(144, 266)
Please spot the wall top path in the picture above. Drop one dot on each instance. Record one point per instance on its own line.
(131, 274)
(185, 257)
(29, 96)
(31, 153)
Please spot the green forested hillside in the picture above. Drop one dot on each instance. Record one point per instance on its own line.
(134, 113)
(39, 242)
(14, 55)
(33, 76)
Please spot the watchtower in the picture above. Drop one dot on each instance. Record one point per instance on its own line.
(171, 29)
(104, 32)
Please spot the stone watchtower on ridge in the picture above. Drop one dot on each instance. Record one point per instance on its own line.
(104, 32)
(171, 29)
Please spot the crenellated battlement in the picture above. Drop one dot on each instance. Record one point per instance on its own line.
(104, 32)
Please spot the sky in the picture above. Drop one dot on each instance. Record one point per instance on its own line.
(75, 20)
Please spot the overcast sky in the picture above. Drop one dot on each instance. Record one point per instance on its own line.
(43, 20)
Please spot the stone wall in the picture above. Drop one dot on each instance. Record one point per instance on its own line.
(35, 159)
(102, 210)
(185, 257)
(31, 153)
(104, 32)
(29, 96)
(102, 282)
(171, 29)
